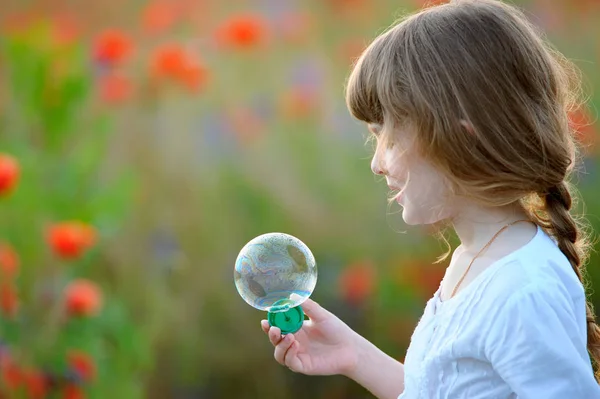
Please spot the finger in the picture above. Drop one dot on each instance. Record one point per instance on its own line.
(265, 326)
(282, 348)
(314, 311)
(291, 357)
(274, 335)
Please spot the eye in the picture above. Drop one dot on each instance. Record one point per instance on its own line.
(381, 136)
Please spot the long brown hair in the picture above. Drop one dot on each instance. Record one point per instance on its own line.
(483, 62)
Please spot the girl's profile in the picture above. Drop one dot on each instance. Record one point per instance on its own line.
(469, 107)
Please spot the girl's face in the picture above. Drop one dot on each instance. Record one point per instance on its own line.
(419, 188)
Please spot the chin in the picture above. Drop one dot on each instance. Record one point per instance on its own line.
(411, 218)
(421, 218)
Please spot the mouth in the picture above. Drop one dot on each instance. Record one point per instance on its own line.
(398, 197)
(397, 193)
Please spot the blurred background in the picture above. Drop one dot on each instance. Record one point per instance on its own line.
(143, 143)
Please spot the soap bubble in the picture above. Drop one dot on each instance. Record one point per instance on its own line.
(275, 272)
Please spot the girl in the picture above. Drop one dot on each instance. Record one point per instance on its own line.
(469, 109)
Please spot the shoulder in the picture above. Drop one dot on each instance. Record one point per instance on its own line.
(534, 331)
(539, 269)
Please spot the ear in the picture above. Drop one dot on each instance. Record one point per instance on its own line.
(468, 126)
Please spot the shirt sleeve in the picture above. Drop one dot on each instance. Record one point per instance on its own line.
(537, 348)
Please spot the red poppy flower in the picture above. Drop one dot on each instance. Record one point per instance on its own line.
(35, 383)
(113, 47)
(83, 298)
(242, 32)
(70, 239)
(9, 173)
(9, 300)
(83, 364)
(168, 60)
(72, 391)
(172, 62)
(12, 375)
(357, 282)
(194, 76)
(9, 261)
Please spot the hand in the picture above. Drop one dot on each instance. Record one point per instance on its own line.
(324, 345)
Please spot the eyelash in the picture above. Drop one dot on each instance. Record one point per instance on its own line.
(390, 143)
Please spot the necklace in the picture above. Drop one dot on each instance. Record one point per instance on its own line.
(481, 251)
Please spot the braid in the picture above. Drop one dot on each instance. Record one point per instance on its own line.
(560, 223)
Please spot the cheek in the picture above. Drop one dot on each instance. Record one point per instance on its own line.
(426, 198)
(426, 202)
(427, 185)
(432, 188)
(397, 165)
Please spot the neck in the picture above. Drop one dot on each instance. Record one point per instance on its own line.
(475, 224)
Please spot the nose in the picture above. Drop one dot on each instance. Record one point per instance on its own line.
(376, 167)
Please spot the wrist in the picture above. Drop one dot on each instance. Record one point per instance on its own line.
(378, 372)
(363, 357)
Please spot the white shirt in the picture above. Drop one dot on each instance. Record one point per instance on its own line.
(518, 330)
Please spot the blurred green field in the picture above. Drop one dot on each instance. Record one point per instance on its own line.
(174, 132)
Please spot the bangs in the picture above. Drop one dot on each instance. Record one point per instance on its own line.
(377, 88)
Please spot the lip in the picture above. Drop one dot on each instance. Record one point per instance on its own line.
(395, 187)
(397, 197)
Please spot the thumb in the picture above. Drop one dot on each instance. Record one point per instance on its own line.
(314, 311)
